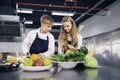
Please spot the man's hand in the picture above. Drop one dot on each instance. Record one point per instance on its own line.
(27, 55)
(42, 55)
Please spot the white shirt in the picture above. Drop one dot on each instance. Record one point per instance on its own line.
(26, 44)
(77, 47)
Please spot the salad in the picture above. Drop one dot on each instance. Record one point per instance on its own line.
(77, 55)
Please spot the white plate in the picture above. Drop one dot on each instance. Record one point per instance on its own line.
(67, 65)
(35, 68)
(67, 62)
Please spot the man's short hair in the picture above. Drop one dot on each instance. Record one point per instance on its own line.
(45, 18)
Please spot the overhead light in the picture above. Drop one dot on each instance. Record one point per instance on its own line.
(62, 13)
(28, 22)
(57, 23)
(29, 11)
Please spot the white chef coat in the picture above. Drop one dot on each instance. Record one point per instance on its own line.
(26, 44)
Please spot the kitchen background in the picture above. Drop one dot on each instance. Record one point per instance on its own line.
(101, 34)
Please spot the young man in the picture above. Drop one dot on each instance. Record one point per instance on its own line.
(40, 41)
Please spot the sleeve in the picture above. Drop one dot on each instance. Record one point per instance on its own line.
(51, 47)
(59, 48)
(26, 43)
(80, 41)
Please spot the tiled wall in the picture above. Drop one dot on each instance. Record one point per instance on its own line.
(106, 48)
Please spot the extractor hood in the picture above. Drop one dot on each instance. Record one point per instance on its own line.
(10, 28)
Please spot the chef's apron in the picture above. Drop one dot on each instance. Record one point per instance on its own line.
(39, 45)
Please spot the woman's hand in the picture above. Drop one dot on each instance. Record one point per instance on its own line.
(71, 47)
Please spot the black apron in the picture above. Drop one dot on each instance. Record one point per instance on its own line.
(39, 45)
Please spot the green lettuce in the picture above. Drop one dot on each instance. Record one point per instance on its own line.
(91, 62)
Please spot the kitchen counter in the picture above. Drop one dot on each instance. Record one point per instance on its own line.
(55, 73)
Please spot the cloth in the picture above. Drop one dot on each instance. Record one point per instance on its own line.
(39, 45)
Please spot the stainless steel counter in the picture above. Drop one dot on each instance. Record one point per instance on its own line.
(103, 73)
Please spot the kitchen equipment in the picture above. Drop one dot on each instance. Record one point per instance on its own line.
(9, 67)
(5, 67)
(10, 28)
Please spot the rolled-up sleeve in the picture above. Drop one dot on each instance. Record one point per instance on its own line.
(51, 46)
(26, 43)
(80, 41)
(59, 48)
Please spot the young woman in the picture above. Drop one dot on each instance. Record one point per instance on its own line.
(40, 41)
(69, 37)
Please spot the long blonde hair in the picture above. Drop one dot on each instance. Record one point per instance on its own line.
(73, 33)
